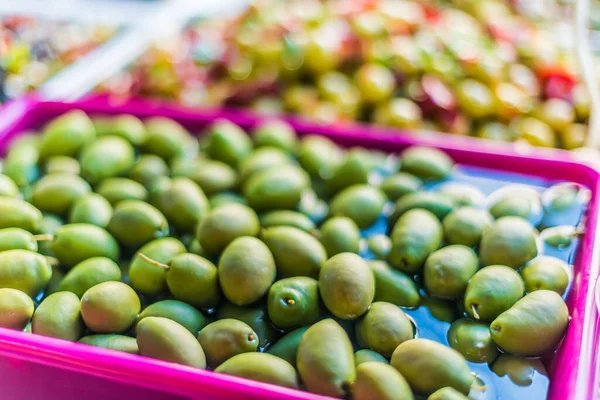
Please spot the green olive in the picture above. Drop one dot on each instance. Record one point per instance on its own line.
(57, 193)
(16, 309)
(24, 270)
(98, 307)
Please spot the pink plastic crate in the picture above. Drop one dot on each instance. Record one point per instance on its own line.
(36, 367)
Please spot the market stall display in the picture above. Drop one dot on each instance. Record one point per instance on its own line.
(467, 68)
(307, 210)
(263, 205)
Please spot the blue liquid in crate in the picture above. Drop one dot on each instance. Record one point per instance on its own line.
(434, 325)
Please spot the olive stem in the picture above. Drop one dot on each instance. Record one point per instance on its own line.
(43, 238)
(291, 302)
(153, 262)
(474, 310)
(53, 261)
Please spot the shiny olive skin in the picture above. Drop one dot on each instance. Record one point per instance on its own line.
(361, 203)
(347, 285)
(16, 308)
(212, 176)
(91, 209)
(74, 243)
(263, 159)
(261, 367)
(380, 245)
(429, 366)
(100, 313)
(560, 236)
(194, 280)
(416, 234)
(146, 277)
(226, 223)
(475, 99)
(520, 370)
(57, 193)
(181, 201)
(447, 271)
(365, 355)
(491, 291)
(116, 190)
(109, 341)
(274, 189)
(62, 165)
(517, 330)
(561, 197)
(127, 126)
(167, 139)
(441, 310)
(426, 163)
(166, 340)
(148, 169)
(293, 302)
(228, 143)
(509, 241)
(546, 273)
(340, 235)
(88, 273)
(17, 238)
(255, 316)
(220, 199)
(375, 82)
(466, 225)
(245, 280)
(67, 134)
(16, 213)
(106, 157)
(24, 270)
(21, 161)
(400, 184)
(135, 223)
(352, 171)
(296, 252)
(319, 156)
(287, 218)
(516, 201)
(276, 133)
(557, 113)
(463, 194)
(535, 132)
(287, 347)
(325, 359)
(383, 328)
(393, 286)
(437, 203)
(473, 340)
(8, 187)
(399, 113)
(180, 312)
(59, 316)
(226, 338)
(447, 393)
(379, 381)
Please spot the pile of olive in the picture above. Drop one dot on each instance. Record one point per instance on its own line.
(241, 254)
(465, 67)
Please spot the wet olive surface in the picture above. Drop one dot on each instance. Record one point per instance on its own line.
(435, 327)
(432, 319)
(430, 327)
